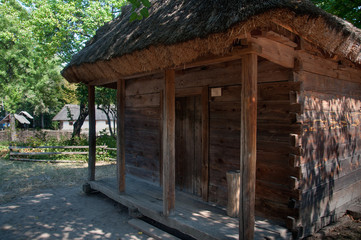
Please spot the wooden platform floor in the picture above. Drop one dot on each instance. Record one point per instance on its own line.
(191, 216)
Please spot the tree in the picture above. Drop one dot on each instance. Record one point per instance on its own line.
(27, 75)
(62, 27)
(38, 37)
(82, 94)
(105, 100)
(349, 10)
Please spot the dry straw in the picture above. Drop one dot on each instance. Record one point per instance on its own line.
(181, 31)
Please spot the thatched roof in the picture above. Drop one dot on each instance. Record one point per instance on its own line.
(179, 31)
(74, 110)
(26, 114)
(18, 117)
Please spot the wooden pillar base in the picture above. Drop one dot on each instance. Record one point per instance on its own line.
(233, 182)
(87, 188)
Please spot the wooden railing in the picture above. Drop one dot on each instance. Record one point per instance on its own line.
(17, 155)
(111, 149)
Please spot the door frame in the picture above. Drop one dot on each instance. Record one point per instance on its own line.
(204, 93)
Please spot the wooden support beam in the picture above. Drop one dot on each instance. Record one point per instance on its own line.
(92, 136)
(101, 82)
(121, 135)
(237, 53)
(278, 38)
(169, 143)
(205, 143)
(275, 52)
(248, 146)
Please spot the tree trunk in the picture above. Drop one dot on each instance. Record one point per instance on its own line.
(109, 122)
(42, 121)
(12, 128)
(84, 111)
(34, 120)
(114, 122)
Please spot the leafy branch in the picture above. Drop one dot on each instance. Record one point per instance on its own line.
(140, 9)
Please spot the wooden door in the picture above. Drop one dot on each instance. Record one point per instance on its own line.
(188, 143)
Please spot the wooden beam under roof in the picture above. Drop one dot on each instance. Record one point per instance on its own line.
(236, 53)
(275, 52)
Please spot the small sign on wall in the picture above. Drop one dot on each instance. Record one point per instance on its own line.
(216, 92)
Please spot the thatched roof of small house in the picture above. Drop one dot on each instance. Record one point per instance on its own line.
(21, 119)
(26, 114)
(74, 110)
(179, 31)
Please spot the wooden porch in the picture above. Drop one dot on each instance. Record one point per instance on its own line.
(191, 216)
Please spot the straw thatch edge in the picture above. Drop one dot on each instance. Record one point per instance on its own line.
(317, 31)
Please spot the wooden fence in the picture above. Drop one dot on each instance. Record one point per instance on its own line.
(17, 153)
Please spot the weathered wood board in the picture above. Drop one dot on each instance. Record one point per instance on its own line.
(276, 111)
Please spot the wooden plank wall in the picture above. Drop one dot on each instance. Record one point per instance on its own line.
(143, 121)
(331, 160)
(274, 185)
(277, 109)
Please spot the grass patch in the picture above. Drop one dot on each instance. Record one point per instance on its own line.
(19, 178)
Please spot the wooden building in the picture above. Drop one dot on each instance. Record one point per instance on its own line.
(270, 88)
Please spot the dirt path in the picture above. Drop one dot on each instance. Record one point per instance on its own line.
(65, 213)
(45, 201)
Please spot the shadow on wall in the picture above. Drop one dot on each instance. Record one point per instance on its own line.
(331, 160)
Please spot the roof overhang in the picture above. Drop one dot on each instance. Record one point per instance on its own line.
(220, 45)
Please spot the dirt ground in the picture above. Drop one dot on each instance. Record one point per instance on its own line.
(65, 213)
(345, 228)
(45, 201)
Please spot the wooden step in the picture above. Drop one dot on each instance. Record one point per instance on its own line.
(150, 230)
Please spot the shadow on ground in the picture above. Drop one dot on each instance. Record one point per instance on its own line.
(65, 213)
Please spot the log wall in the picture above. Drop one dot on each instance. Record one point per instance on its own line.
(275, 122)
(277, 119)
(143, 121)
(331, 156)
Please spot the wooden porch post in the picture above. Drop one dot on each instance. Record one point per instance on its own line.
(120, 135)
(92, 137)
(169, 143)
(248, 146)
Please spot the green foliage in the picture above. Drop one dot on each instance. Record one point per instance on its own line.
(4, 144)
(37, 37)
(139, 9)
(349, 10)
(41, 139)
(106, 140)
(28, 75)
(106, 99)
(62, 27)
